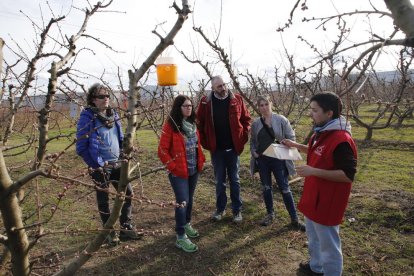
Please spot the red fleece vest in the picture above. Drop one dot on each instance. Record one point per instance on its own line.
(325, 201)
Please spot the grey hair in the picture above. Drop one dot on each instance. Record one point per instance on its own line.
(213, 79)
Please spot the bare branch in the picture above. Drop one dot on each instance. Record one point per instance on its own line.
(21, 182)
(223, 56)
(103, 43)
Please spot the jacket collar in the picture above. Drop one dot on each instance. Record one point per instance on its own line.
(210, 95)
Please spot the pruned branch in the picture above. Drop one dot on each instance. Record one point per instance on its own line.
(223, 56)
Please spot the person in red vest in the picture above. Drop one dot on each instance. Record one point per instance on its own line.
(329, 172)
(180, 151)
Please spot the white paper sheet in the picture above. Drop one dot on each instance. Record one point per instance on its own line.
(282, 152)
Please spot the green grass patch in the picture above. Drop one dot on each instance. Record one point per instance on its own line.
(377, 233)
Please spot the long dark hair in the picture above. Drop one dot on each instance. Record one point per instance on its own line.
(176, 115)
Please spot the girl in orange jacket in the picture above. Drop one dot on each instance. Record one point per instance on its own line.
(181, 153)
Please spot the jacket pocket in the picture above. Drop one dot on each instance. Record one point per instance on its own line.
(171, 166)
(235, 109)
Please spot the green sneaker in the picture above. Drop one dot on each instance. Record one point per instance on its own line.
(190, 231)
(185, 244)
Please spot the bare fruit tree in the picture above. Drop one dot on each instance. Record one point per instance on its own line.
(16, 240)
(127, 166)
(354, 79)
(395, 96)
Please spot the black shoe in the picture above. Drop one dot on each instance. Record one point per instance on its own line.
(297, 225)
(112, 239)
(305, 268)
(128, 232)
(267, 220)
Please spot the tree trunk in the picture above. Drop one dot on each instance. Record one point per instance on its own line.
(44, 116)
(368, 136)
(403, 14)
(10, 122)
(95, 245)
(1, 64)
(17, 241)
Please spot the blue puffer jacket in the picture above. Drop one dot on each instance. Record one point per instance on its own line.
(87, 144)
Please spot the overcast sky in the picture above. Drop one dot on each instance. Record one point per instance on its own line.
(248, 32)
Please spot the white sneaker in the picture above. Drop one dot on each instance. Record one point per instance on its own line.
(237, 218)
(217, 216)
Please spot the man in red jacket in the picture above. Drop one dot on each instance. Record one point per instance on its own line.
(330, 170)
(223, 122)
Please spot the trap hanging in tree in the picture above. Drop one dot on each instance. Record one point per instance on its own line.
(166, 71)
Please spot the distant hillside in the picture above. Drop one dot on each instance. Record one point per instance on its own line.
(387, 76)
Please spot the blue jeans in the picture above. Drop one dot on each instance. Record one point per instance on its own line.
(267, 166)
(227, 162)
(103, 178)
(184, 192)
(324, 248)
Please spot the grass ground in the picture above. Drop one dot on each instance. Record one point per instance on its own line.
(377, 233)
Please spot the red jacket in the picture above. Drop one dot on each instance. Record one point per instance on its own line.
(239, 122)
(325, 201)
(171, 152)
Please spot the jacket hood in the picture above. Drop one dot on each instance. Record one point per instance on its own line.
(340, 123)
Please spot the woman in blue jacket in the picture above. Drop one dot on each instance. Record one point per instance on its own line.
(99, 142)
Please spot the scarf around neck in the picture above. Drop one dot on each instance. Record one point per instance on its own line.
(106, 118)
(188, 128)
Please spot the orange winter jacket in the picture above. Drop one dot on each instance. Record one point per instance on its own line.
(171, 152)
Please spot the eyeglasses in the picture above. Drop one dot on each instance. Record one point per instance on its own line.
(102, 96)
(187, 105)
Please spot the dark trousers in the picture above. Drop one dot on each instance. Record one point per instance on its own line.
(267, 166)
(227, 162)
(103, 178)
(184, 192)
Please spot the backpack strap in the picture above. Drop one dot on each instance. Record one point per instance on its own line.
(268, 131)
